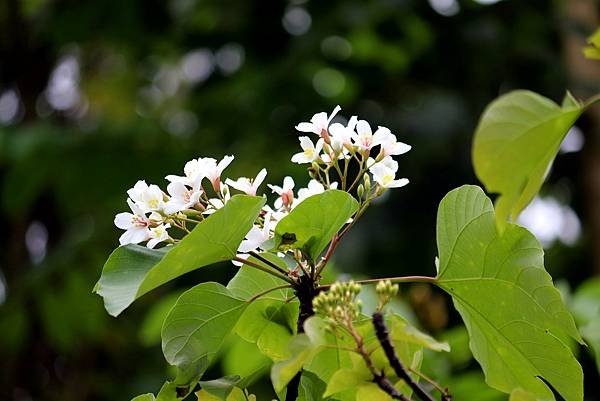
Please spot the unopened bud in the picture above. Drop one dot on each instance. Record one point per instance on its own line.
(367, 182)
(360, 191)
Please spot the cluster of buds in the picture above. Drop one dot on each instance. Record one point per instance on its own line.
(339, 304)
(385, 292)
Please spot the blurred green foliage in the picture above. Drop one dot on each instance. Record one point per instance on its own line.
(111, 92)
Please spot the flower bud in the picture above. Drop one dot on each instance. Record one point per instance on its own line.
(360, 191)
(367, 182)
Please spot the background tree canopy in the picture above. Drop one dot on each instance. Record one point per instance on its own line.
(96, 94)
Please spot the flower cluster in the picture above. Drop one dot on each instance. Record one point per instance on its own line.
(338, 145)
(198, 193)
(339, 304)
(159, 216)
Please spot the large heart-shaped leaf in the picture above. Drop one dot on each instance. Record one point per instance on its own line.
(517, 139)
(517, 322)
(131, 271)
(269, 321)
(313, 223)
(198, 324)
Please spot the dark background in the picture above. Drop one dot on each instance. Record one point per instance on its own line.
(95, 95)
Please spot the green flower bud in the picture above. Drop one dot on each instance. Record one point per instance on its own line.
(360, 191)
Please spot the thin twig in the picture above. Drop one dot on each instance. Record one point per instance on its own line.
(264, 269)
(400, 279)
(382, 334)
(446, 396)
(268, 262)
(260, 294)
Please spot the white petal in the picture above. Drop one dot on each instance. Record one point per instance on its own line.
(319, 146)
(306, 127)
(139, 234)
(398, 183)
(177, 190)
(363, 128)
(320, 121)
(124, 220)
(333, 113)
(260, 177)
(174, 206)
(288, 183)
(400, 148)
(337, 129)
(226, 161)
(306, 143)
(300, 158)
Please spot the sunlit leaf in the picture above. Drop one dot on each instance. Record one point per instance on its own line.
(144, 397)
(517, 139)
(522, 395)
(517, 322)
(313, 223)
(131, 271)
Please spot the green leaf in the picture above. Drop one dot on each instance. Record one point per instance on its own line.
(593, 51)
(243, 359)
(220, 387)
(517, 322)
(521, 395)
(371, 391)
(346, 379)
(269, 321)
(302, 349)
(198, 324)
(122, 274)
(517, 139)
(313, 223)
(403, 333)
(144, 397)
(311, 387)
(131, 271)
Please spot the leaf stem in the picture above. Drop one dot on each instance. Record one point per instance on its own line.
(260, 294)
(267, 262)
(400, 279)
(264, 269)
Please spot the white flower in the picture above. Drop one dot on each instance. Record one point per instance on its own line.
(214, 170)
(389, 143)
(255, 238)
(135, 224)
(148, 197)
(318, 123)
(286, 193)
(342, 136)
(314, 187)
(310, 151)
(158, 234)
(340, 140)
(385, 174)
(364, 137)
(181, 197)
(194, 170)
(247, 185)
